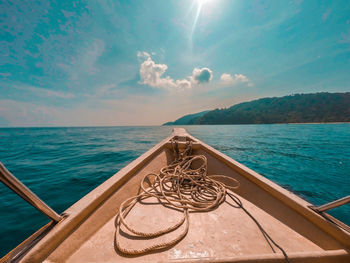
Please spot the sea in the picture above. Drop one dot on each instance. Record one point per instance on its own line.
(61, 165)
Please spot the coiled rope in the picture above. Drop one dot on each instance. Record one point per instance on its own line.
(183, 185)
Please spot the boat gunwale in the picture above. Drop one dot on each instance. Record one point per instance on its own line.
(310, 256)
(17, 252)
(84, 207)
(288, 198)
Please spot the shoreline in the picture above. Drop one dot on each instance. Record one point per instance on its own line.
(280, 123)
(277, 123)
(312, 122)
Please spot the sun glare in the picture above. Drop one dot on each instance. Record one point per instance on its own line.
(203, 2)
(200, 4)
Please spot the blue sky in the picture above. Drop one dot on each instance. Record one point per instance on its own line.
(86, 63)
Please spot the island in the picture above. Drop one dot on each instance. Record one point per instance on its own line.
(323, 107)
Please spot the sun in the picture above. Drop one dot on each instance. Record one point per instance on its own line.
(203, 2)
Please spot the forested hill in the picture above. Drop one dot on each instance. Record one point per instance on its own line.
(299, 108)
(187, 119)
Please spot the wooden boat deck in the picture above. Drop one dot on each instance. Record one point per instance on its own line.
(226, 234)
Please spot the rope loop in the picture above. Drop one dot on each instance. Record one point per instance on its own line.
(183, 185)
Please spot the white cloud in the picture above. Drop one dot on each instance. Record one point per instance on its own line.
(183, 84)
(152, 74)
(202, 75)
(228, 79)
(143, 55)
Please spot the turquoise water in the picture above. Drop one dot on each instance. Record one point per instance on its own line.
(61, 165)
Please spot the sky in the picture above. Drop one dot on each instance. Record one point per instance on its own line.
(107, 63)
